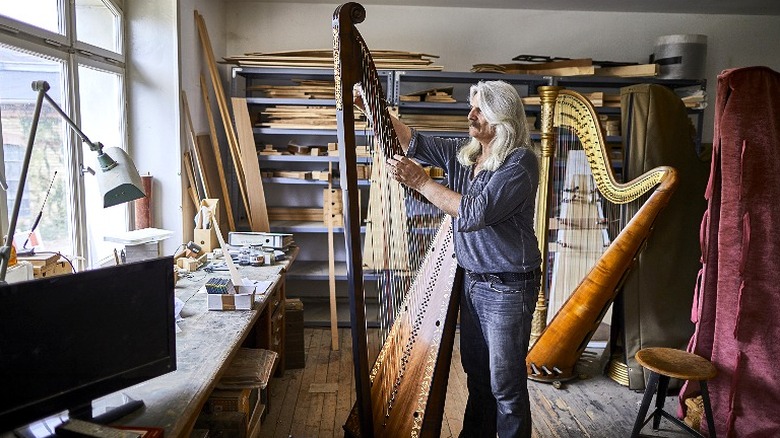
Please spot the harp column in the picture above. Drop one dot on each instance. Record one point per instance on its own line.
(548, 94)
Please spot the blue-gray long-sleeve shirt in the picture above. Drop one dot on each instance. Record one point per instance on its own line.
(494, 230)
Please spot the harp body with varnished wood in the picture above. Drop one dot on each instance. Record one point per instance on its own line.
(411, 252)
(622, 215)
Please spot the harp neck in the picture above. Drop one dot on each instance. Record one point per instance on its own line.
(570, 110)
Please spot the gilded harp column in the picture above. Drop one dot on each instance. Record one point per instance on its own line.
(548, 95)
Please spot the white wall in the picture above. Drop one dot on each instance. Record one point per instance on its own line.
(165, 57)
(153, 116)
(193, 62)
(466, 36)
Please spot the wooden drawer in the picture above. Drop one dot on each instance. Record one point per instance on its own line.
(274, 301)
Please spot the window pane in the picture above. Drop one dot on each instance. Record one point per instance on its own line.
(101, 117)
(17, 105)
(97, 24)
(39, 13)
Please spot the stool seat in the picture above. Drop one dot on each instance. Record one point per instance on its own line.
(676, 363)
(664, 364)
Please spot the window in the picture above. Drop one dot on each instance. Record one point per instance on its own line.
(97, 23)
(77, 48)
(101, 120)
(48, 167)
(43, 14)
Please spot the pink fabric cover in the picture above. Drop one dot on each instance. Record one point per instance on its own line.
(736, 307)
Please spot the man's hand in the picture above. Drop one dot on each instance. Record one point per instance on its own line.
(357, 97)
(408, 172)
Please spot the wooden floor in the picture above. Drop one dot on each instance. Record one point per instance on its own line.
(315, 401)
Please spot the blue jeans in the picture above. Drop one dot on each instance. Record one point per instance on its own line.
(495, 325)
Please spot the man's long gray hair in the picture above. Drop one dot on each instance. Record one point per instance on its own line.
(503, 109)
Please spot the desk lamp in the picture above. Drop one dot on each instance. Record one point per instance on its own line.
(118, 179)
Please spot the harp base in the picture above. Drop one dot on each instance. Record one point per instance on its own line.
(555, 380)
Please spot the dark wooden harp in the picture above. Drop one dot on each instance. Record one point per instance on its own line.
(554, 354)
(403, 392)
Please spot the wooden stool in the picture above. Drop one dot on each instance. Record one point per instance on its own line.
(663, 364)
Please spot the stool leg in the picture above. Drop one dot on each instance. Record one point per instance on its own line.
(652, 384)
(705, 397)
(660, 398)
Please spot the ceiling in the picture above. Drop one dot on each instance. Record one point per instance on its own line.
(729, 7)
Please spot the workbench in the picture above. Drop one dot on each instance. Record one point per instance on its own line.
(205, 345)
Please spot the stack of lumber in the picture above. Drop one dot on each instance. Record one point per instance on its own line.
(303, 117)
(442, 122)
(323, 58)
(696, 99)
(439, 95)
(610, 125)
(569, 67)
(306, 214)
(360, 151)
(302, 89)
(435, 122)
(597, 98)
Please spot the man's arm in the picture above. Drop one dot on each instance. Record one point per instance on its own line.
(446, 199)
(411, 174)
(403, 132)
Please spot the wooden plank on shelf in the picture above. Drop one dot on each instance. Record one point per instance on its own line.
(582, 62)
(561, 71)
(216, 155)
(246, 141)
(642, 70)
(295, 214)
(295, 174)
(219, 93)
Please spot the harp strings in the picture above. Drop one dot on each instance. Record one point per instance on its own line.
(399, 235)
(583, 221)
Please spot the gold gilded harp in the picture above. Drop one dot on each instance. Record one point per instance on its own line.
(402, 393)
(559, 345)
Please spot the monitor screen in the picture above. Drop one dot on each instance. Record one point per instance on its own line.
(67, 340)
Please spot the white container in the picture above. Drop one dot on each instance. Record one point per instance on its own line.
(21, 271)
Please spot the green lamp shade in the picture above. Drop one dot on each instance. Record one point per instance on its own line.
(117, 178)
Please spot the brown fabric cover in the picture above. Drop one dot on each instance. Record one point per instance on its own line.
(653, 308)
(736, 309)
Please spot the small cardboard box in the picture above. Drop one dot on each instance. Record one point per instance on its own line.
(243, 299)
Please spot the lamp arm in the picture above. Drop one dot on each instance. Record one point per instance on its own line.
(44, 87)
(5, 251)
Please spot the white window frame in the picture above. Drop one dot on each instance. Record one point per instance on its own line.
(72, 53)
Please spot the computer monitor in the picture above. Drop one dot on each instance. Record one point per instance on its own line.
(69, 339)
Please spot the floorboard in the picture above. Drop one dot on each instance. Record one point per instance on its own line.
(315, 401)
